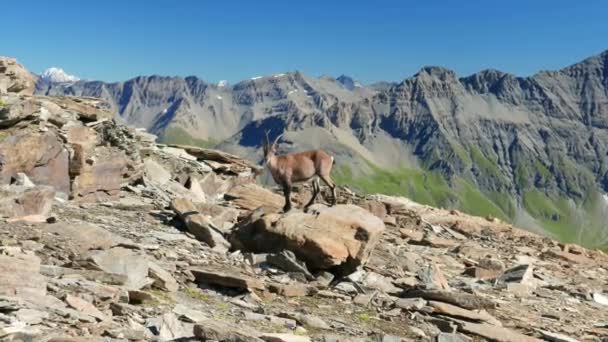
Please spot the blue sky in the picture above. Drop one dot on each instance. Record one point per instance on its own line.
(235, 40)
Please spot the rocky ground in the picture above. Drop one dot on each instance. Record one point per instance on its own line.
(105, 235)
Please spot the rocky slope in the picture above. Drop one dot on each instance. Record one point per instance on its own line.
(107, 236)
(528, 150)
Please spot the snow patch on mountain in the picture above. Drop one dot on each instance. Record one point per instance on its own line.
(58, 75)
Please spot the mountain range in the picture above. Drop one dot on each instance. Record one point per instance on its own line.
(529, 150)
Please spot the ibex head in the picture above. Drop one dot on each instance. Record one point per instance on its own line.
(270, 149)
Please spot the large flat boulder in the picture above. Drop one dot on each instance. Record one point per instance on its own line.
(80, 237)
(119, 260)
(340, 238)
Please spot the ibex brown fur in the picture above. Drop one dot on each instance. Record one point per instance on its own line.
(299, 167)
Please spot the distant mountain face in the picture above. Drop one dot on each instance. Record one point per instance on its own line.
(532, 150)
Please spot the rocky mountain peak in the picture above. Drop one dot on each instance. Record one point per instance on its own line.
(57, 75)
(436, 71)
(347, 82)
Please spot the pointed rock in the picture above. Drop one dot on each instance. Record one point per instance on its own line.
(162, 279)
(199, 225)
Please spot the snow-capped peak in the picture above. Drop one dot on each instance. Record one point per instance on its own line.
(57, 75)
(222, 83)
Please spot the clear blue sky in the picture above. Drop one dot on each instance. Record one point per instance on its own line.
(235, 40)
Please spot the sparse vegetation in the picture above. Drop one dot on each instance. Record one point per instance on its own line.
(197, 294)
(364, 317)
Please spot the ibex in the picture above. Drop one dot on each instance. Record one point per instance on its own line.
(299, 167)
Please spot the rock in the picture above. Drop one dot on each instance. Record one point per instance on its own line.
(556, 337)
(81, 237)
(433, 278)
(437, 242)
(339, 238)
(103, 173)
(520, 290)
(162, 279)
(21, 179)
(410, 303)
(569, 257)
(364, 299)
(291, 290)
(375, 207)
(19, 203)
(157, 174)
(141, 297)
(20, 276)
(92, 275)
(223, 218)
(227, 278)
(450, 337)
(310, 321)
(210, 330)
(285, 322)
(189, 315)
(488, 268)
(31, 316)
(445, 325)
(482, 273)
(379, 282)
(32, 219)
(600, 298)
(84, 307)
(197, 191)
(347, 288)
(494, 333)
(40, 155)
(251, 196)
(410, 234)
(214, 186)
(454, 311)
(461, 299)
(14, 78)
(168, 328)
(119, 260)
(287, 261)
(199, 225)
(522, 274)
(407, 282)
(284, 338)
(91, 110)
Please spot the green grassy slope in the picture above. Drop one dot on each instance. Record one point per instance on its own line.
(561, 217)
(176, 135)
